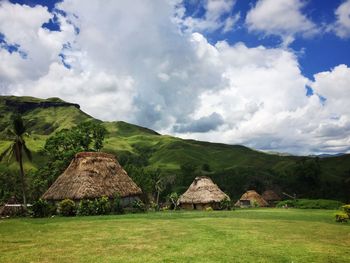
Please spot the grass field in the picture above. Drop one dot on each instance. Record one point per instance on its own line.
(252, 235)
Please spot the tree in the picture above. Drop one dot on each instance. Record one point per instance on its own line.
(174, 198)
(17, 148)
(61, 148)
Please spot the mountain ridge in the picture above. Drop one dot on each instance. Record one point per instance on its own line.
(233, 167)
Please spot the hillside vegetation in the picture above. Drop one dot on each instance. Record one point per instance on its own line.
(234, 168)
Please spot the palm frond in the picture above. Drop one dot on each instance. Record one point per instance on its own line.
(7, 152)
(27, 151)
(16, 150)
(18, 125)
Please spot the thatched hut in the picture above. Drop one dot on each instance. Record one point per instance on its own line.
(201, 194)
(271, 197)
(250, 199)
(92, 175)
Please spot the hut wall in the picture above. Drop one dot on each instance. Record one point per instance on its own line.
(186, 206)
(128, 200)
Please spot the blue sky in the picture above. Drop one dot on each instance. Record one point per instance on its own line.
(319, 53)
(272, 75)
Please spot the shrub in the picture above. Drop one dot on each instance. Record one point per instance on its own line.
(86, 208)
(311, 204)
(346, 209)
(254, 203)
(41, 208)
(288, 203)
(138, 206)
(225, 204)
(66, 208)
(102, 206)
(341, 217)
(208, 209)
(117, 205)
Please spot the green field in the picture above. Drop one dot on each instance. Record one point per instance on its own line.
(251, 235)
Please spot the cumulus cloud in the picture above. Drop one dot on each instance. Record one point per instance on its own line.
(217, 16)
(173, 81)
(203, 124)
(283, 18)
(342, 25)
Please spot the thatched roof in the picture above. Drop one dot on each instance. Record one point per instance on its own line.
(270, 195)
(90, 175)
(202, 191)
(252, 196)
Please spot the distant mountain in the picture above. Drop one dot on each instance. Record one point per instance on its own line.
(233, 167)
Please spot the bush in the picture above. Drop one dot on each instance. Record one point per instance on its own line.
(102, 206)
(86, 208)
(41, 208)
(138, 206)
(311, 204)
(346, 209)
(66, 208)
(288, 203)
(117, 205)
(341, 217)
(208, 209)
(225, 204)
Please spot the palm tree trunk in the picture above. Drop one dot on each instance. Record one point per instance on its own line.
(23, 181)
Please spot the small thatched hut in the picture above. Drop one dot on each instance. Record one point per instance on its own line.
(271, 197)
(251, 198)
(92, 175)
(201, 194)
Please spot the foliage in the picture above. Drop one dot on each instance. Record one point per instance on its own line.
(117, 207)
(343, 216)
(99, 206)
(86, 207)
(10, 183)
(102, 205)
(254, 203)
(346, 209)
(139, 206)
(311, 204)
(226, 204)
(67, 208)
(42, 208)
(61, 148)
(174, 198)
(18, 148)
(233, 168)
(208, 209)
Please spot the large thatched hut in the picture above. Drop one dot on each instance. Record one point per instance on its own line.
(271, 197)
(201, 194)
(92, 175)
(251, 198)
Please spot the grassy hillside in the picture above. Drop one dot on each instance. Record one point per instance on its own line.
(229, 165)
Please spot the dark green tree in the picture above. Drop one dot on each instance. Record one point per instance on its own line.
(18, 149)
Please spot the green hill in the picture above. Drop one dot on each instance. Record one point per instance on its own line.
(233, 167)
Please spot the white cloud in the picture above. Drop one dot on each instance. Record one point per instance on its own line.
(342, 24)
(217, 16)
(283, 18)
(175, 82)
(22, 25)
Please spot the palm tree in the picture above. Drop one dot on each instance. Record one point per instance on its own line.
(16, 148)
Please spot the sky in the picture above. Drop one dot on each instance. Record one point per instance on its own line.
(273, 75)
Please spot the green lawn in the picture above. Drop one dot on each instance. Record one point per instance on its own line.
(252, 235)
